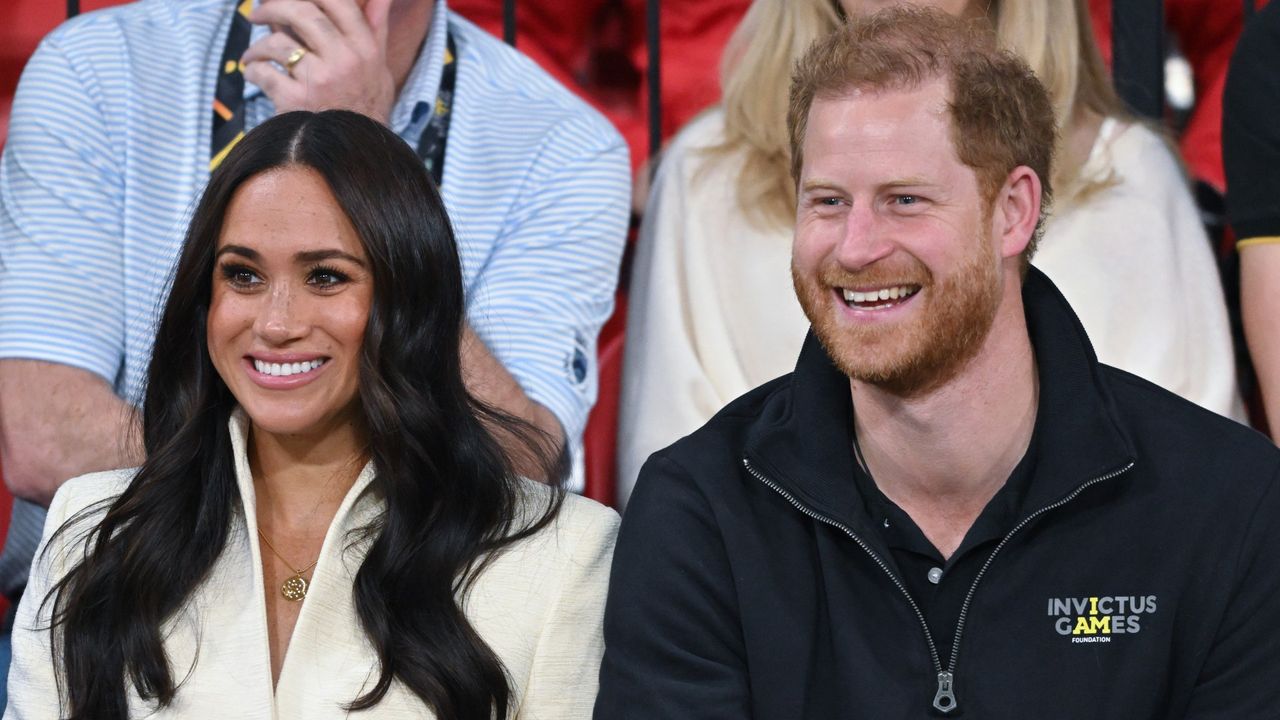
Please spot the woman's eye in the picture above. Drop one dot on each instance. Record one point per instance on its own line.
(240, 276)
(326, 277)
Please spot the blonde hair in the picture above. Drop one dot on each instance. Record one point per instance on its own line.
(1054, 37)
(756, 75)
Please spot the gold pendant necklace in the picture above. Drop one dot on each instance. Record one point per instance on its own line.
(295, 587)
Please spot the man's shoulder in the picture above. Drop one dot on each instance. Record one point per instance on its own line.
(706, 453)
(515, 89)
(1190, 446)
(146, 27)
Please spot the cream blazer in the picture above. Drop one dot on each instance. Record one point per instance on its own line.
(538, 606)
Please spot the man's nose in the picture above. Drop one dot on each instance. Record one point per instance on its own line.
(866, 239)
(280, 318)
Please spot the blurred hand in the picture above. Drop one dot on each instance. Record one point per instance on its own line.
(345, 65)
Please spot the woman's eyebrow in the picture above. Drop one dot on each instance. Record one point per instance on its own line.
(311, 256)
(241, 250)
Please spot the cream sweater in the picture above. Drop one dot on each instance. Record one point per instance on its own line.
(713, 314)
(538, 606)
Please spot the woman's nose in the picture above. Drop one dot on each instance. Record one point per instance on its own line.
(280, 317)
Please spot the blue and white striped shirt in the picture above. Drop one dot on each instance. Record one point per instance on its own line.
(109, 148)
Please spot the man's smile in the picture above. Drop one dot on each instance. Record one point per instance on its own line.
(878, 298)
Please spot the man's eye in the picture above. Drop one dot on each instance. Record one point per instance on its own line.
(829, 201)
(906, 199)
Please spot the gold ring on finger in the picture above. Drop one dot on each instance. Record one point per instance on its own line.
(294, 58)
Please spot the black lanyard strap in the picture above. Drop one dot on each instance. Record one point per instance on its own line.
(228, 97)
(435, 136)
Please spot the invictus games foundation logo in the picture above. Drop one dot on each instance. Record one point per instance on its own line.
(1097, 619)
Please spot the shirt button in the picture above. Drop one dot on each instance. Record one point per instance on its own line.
(935, 575)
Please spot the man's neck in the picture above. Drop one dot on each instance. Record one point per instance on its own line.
(942, 456)
(409, 25)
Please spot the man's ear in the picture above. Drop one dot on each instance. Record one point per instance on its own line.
(1016, 210)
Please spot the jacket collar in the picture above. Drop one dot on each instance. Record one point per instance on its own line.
(803, 439)
(358, 507)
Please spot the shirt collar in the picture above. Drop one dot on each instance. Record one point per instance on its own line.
(802, 440)
(423, 84)
(420, 87)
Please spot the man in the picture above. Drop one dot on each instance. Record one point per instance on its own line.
(120, 116)
(949, 508)
(1251, 148)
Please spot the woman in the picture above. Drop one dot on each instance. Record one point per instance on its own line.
(712, 311)
(317, 481)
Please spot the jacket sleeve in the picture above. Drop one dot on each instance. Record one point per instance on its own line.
(566, 664)
(673, 639)
(33, 686)
(1239, 678)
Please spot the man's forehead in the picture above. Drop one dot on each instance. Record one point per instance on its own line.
(932, 95)
(867, 119)
(891, 134)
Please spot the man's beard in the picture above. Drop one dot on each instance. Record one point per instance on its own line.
(914, 356)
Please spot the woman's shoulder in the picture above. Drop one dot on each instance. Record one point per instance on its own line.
(579, 520)
(84, 491)
(697, 143)
(1140, 155)
(581, 533)
(703, 132)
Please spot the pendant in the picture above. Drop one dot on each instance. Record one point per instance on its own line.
(294, 589)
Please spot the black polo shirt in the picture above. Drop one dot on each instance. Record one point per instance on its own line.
(940, 586)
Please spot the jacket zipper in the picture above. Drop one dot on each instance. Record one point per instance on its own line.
(945, 699)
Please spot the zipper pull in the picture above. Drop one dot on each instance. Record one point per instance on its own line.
(945, 700)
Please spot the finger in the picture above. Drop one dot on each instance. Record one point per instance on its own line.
(346, 16)
(378, 14)
(304, 19)
(276, 84)
(276, 47)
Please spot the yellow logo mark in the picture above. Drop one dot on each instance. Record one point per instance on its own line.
(1092, 625)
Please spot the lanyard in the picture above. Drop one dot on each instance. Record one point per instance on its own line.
(229, 103)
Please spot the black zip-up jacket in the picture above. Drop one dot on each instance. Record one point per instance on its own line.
(1141, 579)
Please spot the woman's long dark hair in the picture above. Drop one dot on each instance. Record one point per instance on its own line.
(451, 494)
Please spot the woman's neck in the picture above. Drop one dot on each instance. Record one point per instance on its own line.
(300, 482)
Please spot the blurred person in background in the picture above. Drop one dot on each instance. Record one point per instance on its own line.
(712, 311)
(1251, 150)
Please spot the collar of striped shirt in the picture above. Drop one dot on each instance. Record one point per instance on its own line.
(416, 97)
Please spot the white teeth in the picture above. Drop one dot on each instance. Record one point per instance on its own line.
(286, 369)
(892, 293)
